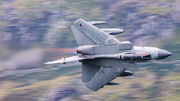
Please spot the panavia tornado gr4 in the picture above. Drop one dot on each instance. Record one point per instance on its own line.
(103, 57)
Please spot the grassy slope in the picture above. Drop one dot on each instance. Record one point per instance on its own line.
(39, 83)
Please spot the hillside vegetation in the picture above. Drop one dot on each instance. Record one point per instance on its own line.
(34, 31)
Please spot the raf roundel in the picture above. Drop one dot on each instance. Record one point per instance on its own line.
(80, 25)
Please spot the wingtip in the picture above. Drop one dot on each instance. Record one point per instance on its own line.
(46, 63)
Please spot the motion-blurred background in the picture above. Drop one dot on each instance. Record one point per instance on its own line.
(36, 31)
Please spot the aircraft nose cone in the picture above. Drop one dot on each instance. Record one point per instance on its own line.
(163, 54)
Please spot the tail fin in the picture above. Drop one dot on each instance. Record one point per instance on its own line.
(87, 34)
(81, 39)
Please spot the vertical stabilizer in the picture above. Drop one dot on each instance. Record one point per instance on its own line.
(81, 38)
(87, 34)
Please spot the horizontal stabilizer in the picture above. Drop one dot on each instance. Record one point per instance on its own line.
(103, 77)
(88, 71)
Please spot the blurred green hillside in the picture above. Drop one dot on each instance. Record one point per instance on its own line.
(33, 32)
(48, 21)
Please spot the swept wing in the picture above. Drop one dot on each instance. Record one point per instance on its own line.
(69, 59)
(80, 57)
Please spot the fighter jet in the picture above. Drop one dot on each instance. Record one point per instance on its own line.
(103, 57)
